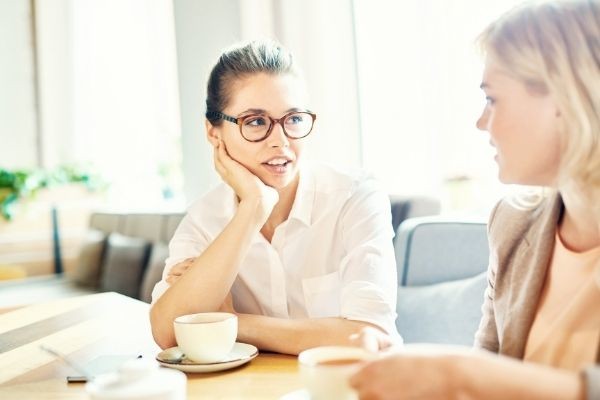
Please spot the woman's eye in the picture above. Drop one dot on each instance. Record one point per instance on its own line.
(294, 119)
(255, 121)
(489, 100)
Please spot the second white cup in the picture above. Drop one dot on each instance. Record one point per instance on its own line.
(206, 337)
(326, 371)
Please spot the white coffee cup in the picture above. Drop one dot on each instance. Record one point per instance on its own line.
(139, 379)
(326, 370)
(206, 337)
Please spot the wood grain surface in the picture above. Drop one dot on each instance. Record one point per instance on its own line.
(90, 327)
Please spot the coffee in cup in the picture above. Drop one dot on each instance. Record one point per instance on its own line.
(206, 337)
(326, 370)
(337, 363)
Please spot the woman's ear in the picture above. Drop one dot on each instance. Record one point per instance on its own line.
(212, 133)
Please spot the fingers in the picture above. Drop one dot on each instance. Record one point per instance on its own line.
(224, 164)
(359, 381)
(365, 340)
(371, 339)
(218, 164)
(179, 269)
(223, 156)
(372, 380)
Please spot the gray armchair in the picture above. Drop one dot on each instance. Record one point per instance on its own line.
(441, 279)
(405, 207)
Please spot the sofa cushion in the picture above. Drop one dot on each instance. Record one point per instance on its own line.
(446, 312)
(153, 274)
(87, 271)
(124, 263)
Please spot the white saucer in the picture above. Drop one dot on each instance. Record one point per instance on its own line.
(240, 354)
(300, 394)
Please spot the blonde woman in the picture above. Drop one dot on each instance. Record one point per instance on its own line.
(542, 305)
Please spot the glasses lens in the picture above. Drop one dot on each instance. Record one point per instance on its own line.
(298, 124)
(255, 127)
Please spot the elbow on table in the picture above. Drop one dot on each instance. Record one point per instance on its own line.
(162, 330)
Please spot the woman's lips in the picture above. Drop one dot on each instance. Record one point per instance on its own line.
(278, 169)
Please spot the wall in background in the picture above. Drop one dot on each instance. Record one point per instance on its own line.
(18, 136)
(202, 29)
(54, 54)
(320, 34)
(419, 75)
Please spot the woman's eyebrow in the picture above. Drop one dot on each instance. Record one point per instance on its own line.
(264, 112)
(253, 111)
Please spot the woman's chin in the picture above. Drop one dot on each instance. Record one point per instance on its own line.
(279, 182)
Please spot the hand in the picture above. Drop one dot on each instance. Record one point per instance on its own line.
(179, 269)
(412, 373)
(246, 185)
(372, 339)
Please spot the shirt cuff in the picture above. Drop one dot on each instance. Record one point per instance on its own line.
(364, 301)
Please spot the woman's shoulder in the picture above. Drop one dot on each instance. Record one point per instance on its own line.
(514, 216)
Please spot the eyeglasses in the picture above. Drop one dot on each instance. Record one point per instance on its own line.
(257, 127)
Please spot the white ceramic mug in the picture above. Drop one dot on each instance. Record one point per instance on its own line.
(326, 370)
(206, 337)
(139, 379)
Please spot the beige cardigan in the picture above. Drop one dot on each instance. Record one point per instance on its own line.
(521, 244)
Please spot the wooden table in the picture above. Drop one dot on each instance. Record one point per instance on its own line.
(87, 328)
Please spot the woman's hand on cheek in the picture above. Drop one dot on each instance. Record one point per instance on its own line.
(247, 186)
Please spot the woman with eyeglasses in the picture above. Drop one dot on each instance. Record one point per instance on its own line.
(540, 330)
(302, 253)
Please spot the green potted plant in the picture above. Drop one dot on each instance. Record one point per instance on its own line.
(23, 184)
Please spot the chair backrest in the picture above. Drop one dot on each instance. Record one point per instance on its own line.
(157, 227)
(432, 250)
(442, 278)
(404, 207)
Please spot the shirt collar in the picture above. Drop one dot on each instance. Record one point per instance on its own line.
(305, 196)
(303, 202)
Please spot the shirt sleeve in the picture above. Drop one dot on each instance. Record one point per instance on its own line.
(187, 242)
(368, 270)
(486, 336)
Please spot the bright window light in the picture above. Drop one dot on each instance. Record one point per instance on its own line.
(419, 75)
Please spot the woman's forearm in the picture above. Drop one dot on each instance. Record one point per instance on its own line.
(204, 286)
(491, 377)
(291, 336)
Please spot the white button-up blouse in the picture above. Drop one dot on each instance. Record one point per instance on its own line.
(333, 257)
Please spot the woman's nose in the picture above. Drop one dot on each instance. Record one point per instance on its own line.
(277, 138)
(482, 121)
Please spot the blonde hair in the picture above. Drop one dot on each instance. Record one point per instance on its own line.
(553, 47)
